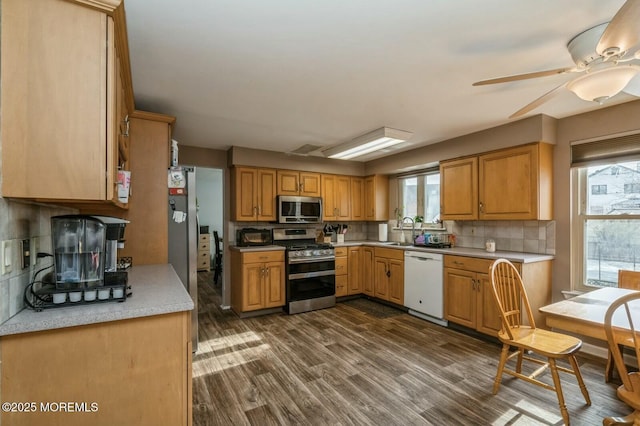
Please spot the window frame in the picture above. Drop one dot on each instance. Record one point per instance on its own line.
(420, 197)
(580, 189)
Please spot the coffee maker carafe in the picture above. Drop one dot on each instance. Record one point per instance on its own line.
(78, 251)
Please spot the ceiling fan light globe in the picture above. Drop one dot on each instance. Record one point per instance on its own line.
(602, 84)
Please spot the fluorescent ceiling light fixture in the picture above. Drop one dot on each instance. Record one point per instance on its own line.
(602, 84)
(378, 139)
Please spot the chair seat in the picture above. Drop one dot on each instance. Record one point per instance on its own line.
(544, 342)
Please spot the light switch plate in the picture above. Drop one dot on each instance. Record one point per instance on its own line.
(6, 257)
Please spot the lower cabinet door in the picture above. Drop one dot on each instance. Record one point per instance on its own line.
(274, 284)
(460, 297)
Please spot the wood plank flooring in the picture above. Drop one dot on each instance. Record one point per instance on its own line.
(363, 363)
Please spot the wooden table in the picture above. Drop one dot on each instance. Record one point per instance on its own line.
(584, 314)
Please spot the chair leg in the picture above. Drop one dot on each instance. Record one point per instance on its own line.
(558, 387)
(503, 360)
(519, 361)
(610, 372)
(576, 370)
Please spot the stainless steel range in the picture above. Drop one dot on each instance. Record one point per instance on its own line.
(310, 270)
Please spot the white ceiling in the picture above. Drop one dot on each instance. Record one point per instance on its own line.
(280, 74)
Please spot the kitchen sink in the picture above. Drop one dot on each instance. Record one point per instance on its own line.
(396, 243)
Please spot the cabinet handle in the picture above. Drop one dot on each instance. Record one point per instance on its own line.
(473, 284)
(301, 186)
(455, 262)
(126, 123)
(481, 207)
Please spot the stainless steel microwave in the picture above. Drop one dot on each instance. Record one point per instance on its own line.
(292, 209)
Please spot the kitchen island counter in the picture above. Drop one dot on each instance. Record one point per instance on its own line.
(156, 290)
(116, 363)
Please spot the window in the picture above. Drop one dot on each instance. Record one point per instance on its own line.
(419, 197)
(632, 188)
(606, 223)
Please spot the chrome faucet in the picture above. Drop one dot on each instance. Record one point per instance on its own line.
(413, 228)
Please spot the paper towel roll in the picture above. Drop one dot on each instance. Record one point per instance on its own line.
(382, 232)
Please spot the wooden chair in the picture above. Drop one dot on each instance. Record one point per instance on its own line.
(217, 258)
(627, 317)
(626, 279)
(513, 303)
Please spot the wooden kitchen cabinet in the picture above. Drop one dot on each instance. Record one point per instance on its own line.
(204, 252)
(292, 182)
(355, 268)
(137, 371)
(509, 184)
(376, 198)
(357, 198)
(459, 189)
(261, 280)
(367, 257)
(147, 233)
(389, 275)
(342, 270)
(336, 197)
(516, 183)
(58, 101)
(468, 298)
(253, 194)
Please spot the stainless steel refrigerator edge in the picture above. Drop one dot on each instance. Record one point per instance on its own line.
(183, 239)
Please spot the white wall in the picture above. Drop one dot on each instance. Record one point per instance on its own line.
(209, 190)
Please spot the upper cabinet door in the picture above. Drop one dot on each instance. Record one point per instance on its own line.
(309, 184)
(459, 189)
(288, 182)
(57, 99)
(515, 183)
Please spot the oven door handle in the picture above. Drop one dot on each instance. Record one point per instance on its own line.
(311, 260)
(311, 274)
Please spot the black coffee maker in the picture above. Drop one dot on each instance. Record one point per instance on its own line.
(114, 273)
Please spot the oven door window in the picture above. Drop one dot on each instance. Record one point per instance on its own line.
(311, 288)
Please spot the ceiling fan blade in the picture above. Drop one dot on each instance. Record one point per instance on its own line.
(623, 31)
(535, 104)
(525, 76)
(633, 87)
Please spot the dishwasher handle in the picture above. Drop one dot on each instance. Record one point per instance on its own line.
(423, 258)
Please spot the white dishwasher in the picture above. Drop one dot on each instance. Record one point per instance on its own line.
(423, 289)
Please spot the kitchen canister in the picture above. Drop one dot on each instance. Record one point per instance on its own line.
(490, 245)
(382, 232)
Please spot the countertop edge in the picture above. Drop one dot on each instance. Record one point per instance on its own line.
(156, 290)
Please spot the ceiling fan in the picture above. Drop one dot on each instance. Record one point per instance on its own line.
(607, 55)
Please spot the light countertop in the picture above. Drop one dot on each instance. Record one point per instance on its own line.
(513, 256)
(156, 290)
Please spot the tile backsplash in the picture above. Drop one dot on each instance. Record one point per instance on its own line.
(21, 221)
(509, 235)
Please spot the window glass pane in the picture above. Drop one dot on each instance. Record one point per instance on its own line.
(614, 189)
(432, 198)
(610, 244)
(409, 205)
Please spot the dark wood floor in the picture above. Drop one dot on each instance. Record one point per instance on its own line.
(364, 363)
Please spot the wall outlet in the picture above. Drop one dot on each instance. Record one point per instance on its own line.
(5, 252)
(25, 253)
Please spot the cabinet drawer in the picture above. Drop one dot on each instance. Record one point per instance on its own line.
(341, 251)
(390, 253)
(204, 238)
(203, 263)
(472, 263)
(204, 246)
(341, 286)
(263, 256)
(341, 266)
